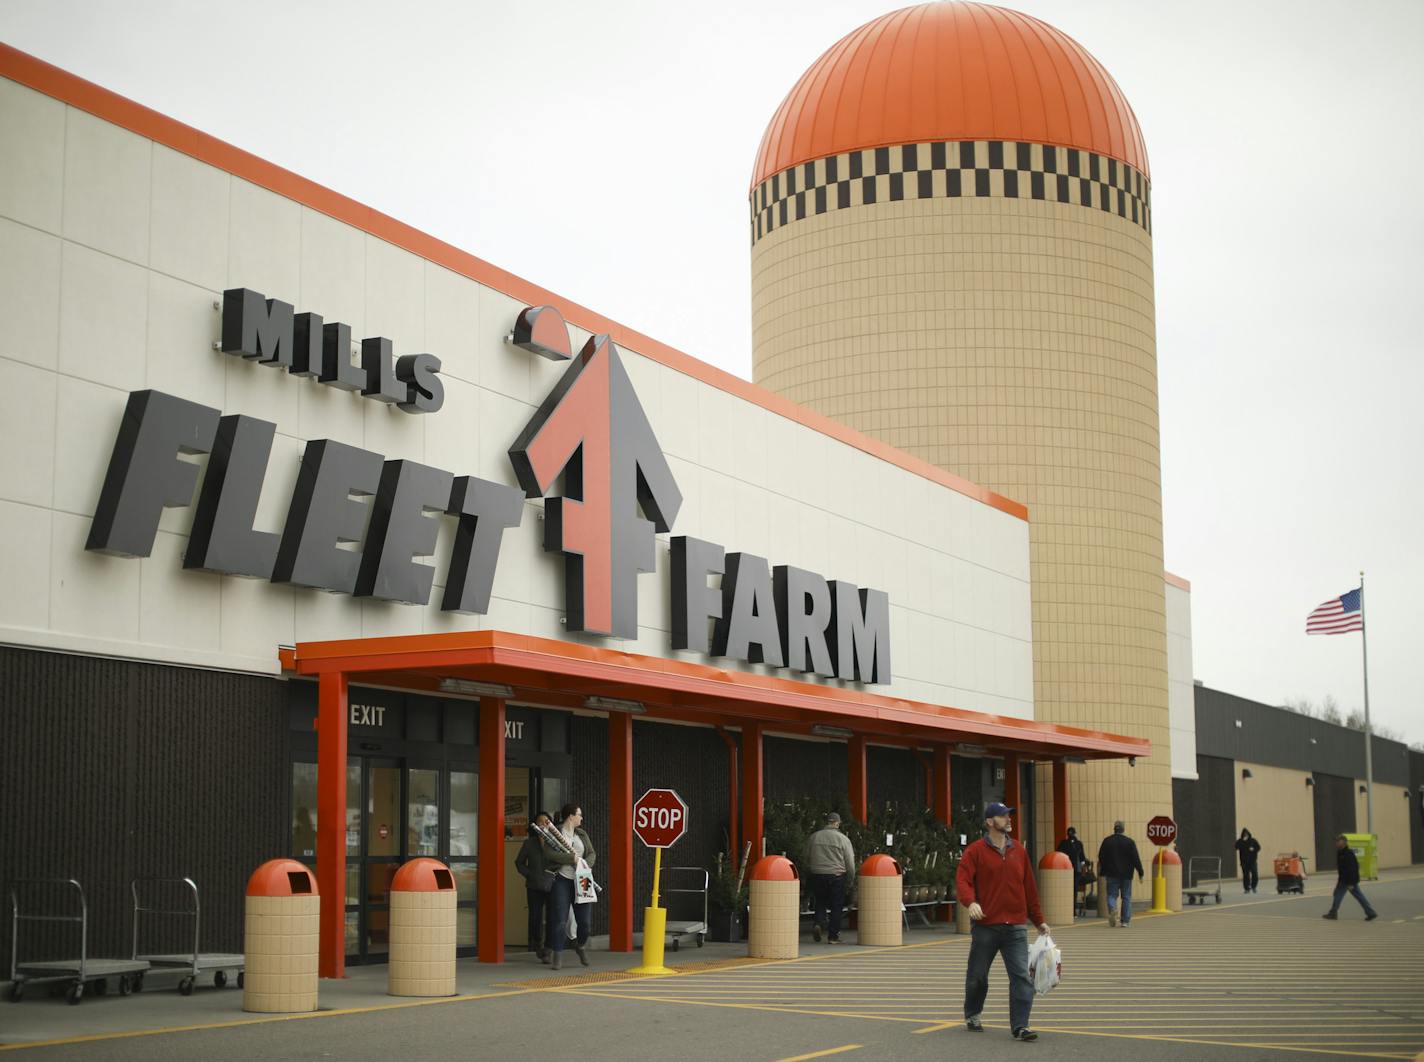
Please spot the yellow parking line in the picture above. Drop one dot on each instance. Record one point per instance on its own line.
(823, 1054)
(261, 1021)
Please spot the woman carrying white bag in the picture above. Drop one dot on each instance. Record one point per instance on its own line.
(568, 847)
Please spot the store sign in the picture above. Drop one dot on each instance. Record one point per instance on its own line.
(367, 714)
(591, 433)
(592, 430)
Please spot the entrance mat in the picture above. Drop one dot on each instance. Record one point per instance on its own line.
(681, 969)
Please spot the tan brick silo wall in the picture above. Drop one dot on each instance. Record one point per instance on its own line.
(1010, 340)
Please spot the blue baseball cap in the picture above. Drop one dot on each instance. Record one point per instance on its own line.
(998, 809)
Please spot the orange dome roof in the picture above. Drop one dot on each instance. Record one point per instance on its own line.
(951, 71)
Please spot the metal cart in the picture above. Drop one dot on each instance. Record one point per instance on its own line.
(194, 963)
(1198, 881)
(79, 972)
(677, 930)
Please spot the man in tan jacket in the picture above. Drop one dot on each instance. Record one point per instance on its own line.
(830, 860)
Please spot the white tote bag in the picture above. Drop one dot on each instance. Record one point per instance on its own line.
(585, 888)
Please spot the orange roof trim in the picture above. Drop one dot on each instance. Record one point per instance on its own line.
(951, 71)
(552, 671)
(100, 102)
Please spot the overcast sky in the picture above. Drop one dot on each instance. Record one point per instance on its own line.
(604, 151)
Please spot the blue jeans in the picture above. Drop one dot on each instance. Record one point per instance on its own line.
(1123, 885)
(561, 898)
(1353, 890)
(984, 943)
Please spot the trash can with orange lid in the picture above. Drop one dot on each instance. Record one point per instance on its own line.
(422, 959)
(1055, 888)
(879, 902)
(774, 909)
(281, 934)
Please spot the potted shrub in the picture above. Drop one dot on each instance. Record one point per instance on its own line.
(726, 901)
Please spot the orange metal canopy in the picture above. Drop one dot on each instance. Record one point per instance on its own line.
(561, 674)
(951, 71)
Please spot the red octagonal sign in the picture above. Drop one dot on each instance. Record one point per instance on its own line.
(1161, 830)
(660, 818)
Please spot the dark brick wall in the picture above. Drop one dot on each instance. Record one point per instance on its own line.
(112, 770)
(1205, 811)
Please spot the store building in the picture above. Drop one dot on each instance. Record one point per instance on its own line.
(322, 537)
(1295, 782)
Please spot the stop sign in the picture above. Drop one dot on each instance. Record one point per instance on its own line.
(659, 818)
(1162, 830)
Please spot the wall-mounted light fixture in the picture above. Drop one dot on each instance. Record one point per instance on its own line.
(471, 688)
(1132, 761)
(1362, 790)
(614, 704)
(1245, 772)
(822, 730)
(1309, 781)
(1074, 759)
(1238, 724)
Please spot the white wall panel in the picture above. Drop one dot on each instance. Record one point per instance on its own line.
(956, 570)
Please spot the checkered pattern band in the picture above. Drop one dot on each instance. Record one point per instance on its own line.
(983, 168)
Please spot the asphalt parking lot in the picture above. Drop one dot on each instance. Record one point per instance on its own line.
(1259, 977)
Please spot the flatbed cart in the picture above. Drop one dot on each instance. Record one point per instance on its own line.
(79, 972)
(678, 930)
(1197, 889)
(193, 964)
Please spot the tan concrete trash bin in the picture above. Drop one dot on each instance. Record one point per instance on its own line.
(962, 922)
(879, 902)
(1055, 889)
(774, 915)
(1172, 870)
(422, 959)
(281, 933)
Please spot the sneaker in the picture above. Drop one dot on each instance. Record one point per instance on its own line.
(1112, 918)
(1330, 914)
(1124, 925)
(816, 932)
(1027, 1035)
(1371, 916)
(833, 940)
(582, 954)
(974, 1024)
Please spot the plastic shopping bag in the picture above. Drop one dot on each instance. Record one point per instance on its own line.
(585, 888)
(1045, 964)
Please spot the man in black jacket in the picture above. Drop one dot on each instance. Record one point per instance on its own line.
(1117, 860)
(1349, 869)
(1247, 850)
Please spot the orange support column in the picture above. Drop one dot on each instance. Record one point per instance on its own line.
(733, 840)
(1060, 800)
(940, 793)
(752, 787)
(489, 878)
(856, 774)
(1011, 782)
(331, 719)
(620, 832)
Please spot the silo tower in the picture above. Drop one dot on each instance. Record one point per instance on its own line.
(951, 238)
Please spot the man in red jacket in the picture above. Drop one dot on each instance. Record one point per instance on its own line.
(995, 882)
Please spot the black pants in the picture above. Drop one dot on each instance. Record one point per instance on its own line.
(538, 917)
(1249, 877)
(829, 891)
(1012, 943)
(561, 901)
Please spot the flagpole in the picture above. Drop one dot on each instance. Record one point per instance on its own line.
(1369, 758)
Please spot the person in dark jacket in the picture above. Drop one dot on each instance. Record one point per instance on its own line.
(1247, 850)
(1073, 849)
(1117, 860)
(538, 877)
(995, 881)
(1349, 881)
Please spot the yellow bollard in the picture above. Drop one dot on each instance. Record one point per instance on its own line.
(1159, 889)
(654, 927)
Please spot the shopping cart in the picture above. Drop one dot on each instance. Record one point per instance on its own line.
(78, 972)
(194, 963)
(1290, 872)
(696, 879)
(1203, 879)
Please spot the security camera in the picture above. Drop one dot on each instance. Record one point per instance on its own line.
(1132, 761)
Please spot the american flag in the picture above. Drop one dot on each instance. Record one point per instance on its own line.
(1339, 615)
